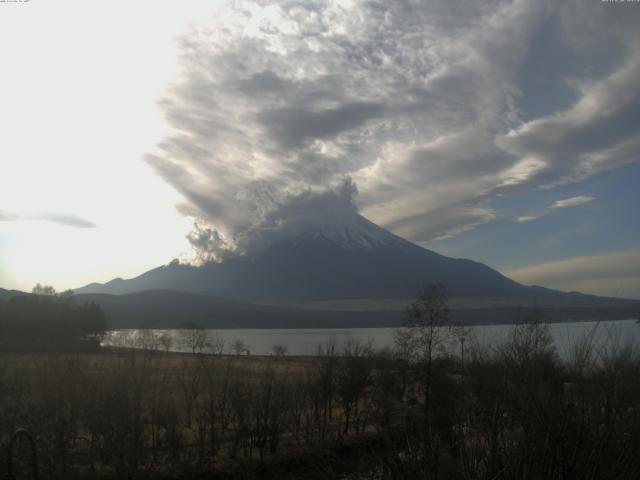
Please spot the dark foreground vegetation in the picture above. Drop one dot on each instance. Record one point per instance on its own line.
(46, 321)
(513, 412)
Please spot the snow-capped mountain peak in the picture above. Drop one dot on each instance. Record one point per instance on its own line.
(328, 258)
(357, 234)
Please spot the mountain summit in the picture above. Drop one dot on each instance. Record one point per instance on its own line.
(347, 259)
(358, 235)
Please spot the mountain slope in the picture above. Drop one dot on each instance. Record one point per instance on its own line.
(357, 259)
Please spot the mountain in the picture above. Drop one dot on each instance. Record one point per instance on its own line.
(347, 260)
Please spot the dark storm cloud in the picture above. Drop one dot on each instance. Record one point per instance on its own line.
(425, 106)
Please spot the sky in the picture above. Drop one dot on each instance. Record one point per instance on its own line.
(507, 132)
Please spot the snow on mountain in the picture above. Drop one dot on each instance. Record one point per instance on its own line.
(357, 234)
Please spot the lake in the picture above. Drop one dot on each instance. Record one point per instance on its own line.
(307, 341)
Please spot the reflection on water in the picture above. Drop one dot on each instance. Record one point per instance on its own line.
(306, 341)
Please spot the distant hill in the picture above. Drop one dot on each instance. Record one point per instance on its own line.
(354, 259)
(171, 309)
(5, 294)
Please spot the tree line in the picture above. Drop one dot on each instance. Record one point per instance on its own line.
(46, 321)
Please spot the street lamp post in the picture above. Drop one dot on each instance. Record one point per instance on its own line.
(462, 339)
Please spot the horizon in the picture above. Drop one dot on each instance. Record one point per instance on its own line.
(502, 132)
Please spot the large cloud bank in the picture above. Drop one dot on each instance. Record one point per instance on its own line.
(416, 114)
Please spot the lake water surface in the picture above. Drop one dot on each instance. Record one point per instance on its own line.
(307, 341)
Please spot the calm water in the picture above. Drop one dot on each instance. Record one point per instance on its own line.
(306, 341)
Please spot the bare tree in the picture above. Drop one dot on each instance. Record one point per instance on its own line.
(353, 377)
(147, 340)
(529, 340)
(166, 341)
(427, 329)
(121, 339)
(239, 347)
(279, 351)
(216, 344)
(195, 338)
(39, 289)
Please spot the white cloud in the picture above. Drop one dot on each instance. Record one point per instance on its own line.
(613, 274)
(573, 201)
(416, 103)
(567, 202)
(597, 133)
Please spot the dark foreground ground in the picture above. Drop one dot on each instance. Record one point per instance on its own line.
(516, 412)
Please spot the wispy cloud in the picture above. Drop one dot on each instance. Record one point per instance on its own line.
(62, 219)
(615, 273)
(573, 201)
(567, 202)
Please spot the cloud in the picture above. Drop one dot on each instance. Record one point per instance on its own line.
(573, 201)
(62, 219)
(567, 202)
(419, 105)
(286, 216)
(68, 220)
(208, 244)
(293, 128)
(615, 274)
(596, 133)
(8, 217)
(444, 223)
